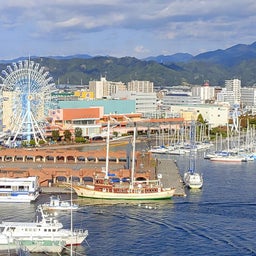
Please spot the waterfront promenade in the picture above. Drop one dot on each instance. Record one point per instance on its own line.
(166, 167)
(61, 167)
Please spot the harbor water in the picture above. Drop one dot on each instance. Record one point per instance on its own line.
(219, 219)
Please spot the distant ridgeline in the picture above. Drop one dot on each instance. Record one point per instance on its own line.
(164, 71)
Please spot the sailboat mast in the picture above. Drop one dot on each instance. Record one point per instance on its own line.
(71, 214)
(133, 155)
(192, 147)
(107, 153)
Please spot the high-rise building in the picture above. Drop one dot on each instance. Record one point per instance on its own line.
(140, 86)
(205, 92)
(104, 88)
(248, 96)
(98, 88)
(234, 85)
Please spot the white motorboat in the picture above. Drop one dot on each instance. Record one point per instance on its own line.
(193, 180)
(159, 150)
(45, 229)
(56, 204)
(19, 190)
(229, 158)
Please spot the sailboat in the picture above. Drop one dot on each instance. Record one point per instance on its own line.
(191, 178)
(103, 188)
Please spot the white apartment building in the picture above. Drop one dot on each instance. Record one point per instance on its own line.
(145, 103)
(114, 87)
(248, 96)
(98, 88)
(234, 85)
(204, 92)
(179, 99)
(214, 115)
(104, 88)
(226, 97)
(140, 86)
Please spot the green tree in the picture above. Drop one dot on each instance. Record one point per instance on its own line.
(67, 135)
(200, 119)
(55, 135)
(80, 140)
(78, 132)
(41, 142)
(32, 143)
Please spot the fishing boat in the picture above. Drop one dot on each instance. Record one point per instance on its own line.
(19, 190)
(191, 178)
(45, 229)
(56, 204)
(105, 188)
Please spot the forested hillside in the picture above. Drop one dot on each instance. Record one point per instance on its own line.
(236, 62)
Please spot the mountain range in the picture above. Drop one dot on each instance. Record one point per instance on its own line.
(238, 61)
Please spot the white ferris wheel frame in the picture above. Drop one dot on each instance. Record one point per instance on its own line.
(31, 88)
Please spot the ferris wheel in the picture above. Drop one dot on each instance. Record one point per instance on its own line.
(25, 97)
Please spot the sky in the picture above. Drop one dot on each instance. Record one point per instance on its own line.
(119, 28)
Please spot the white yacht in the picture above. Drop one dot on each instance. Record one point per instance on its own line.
(193, 180)
(19, 190)
(45, 229)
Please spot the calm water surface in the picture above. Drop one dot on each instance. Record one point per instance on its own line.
(217, 220)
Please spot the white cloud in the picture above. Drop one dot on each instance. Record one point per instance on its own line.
(140, 49)
(151, 27)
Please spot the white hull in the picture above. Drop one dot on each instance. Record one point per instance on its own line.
(38, 246)
(56, 204)
(48, 229)
(193, 180)
(19, 190)
(41, 245)
(159, 150)
(18, 198)
(228, 159)
(65, 235)
(59, 208)
(88, 191)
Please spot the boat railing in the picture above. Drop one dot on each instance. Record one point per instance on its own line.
(80, 231)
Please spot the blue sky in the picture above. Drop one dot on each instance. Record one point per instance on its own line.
(136, 28)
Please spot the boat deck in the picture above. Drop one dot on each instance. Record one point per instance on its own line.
(13, 252)
(171, 176)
